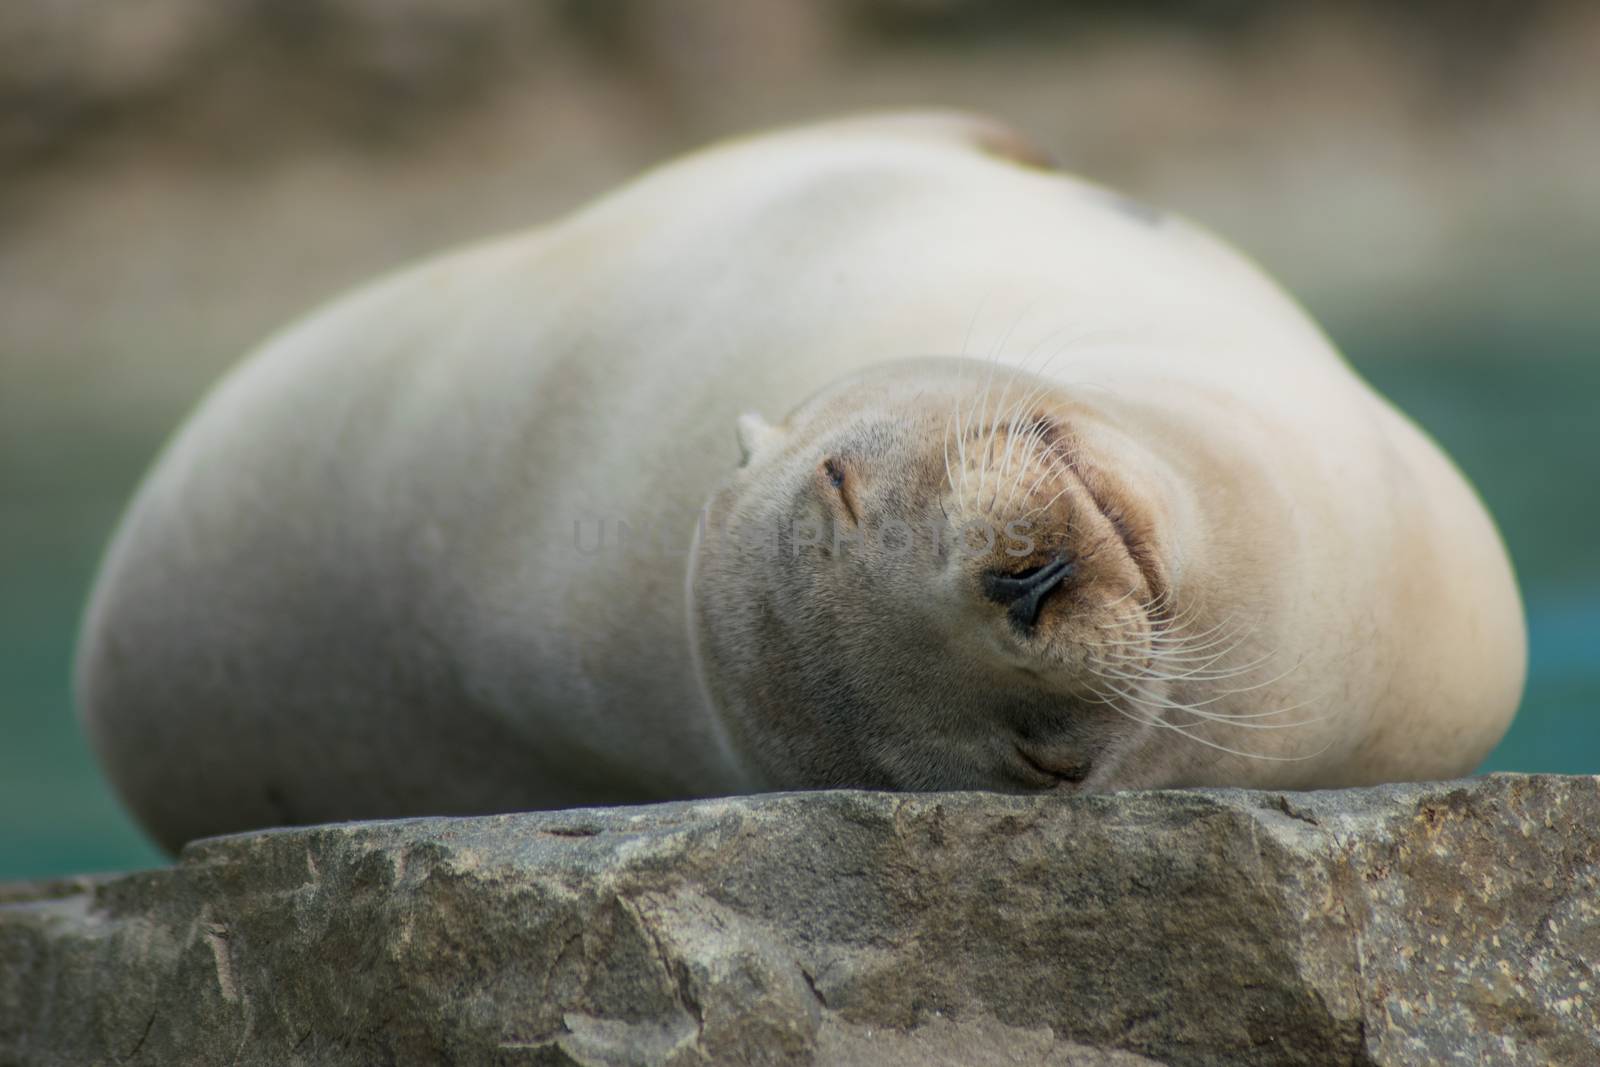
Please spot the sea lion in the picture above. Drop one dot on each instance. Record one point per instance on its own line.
(1031, 488)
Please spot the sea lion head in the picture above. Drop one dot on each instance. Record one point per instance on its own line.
(939, 574)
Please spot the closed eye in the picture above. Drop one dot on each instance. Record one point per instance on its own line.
(833, 472)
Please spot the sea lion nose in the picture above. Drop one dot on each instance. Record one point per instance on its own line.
(1023, 592)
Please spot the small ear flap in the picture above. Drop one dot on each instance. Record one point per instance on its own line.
(754, 433)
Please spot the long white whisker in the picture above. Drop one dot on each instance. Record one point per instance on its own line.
(994, 422)
(1201, 673)
(1053, 464)
(1193, 706)
(1029, 396)
(949, 475)
(1181, 653)
(1184, 728)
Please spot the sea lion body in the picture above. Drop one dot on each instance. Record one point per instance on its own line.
(367, 577)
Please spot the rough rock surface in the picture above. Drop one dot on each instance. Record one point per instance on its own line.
(1449, 922)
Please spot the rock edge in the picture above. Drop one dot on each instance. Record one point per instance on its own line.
(1396, 925)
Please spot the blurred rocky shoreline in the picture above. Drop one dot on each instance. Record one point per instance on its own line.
(183, 175)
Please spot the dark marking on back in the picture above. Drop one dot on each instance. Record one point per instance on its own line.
(1006, 144)
(1137, 210)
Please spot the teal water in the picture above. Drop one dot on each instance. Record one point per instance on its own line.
(1523, 427)
(1526, 430)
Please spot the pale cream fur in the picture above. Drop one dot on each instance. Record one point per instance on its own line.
(350, 587)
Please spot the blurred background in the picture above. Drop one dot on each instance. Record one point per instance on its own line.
(179, 177)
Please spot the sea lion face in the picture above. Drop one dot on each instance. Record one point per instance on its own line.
(929, 578)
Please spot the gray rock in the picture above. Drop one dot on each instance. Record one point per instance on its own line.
(1455, 921)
